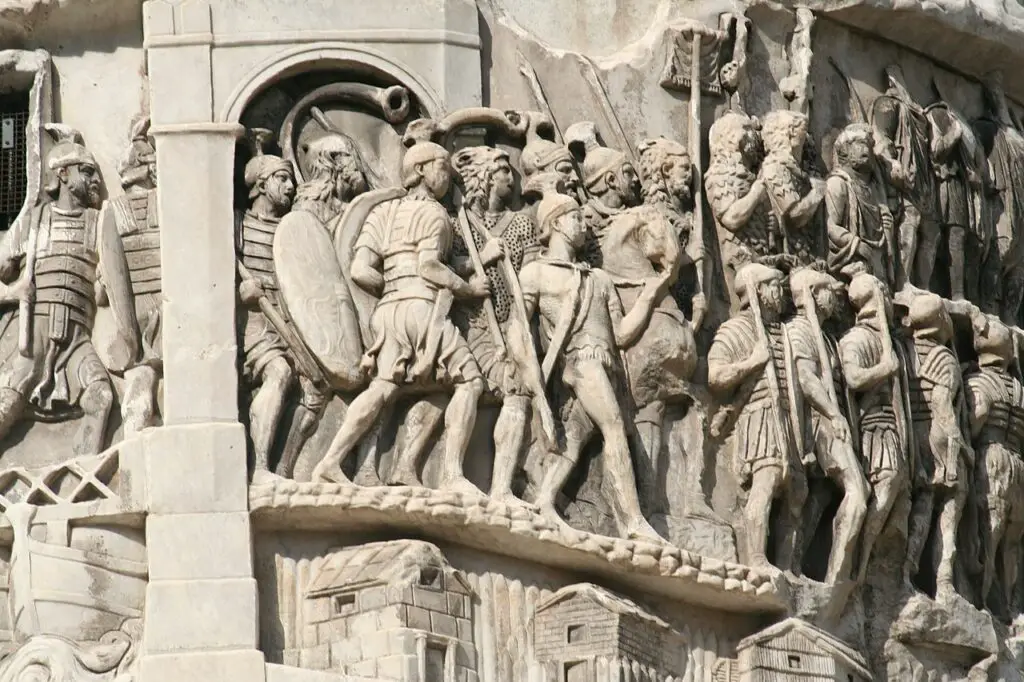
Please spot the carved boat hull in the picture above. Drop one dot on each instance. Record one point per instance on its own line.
(70, 592)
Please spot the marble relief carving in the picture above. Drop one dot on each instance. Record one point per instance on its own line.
(699, 361)
(522, 297)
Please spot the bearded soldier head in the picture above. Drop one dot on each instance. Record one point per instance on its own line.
(71, 171)
(337, 175)
(484, 175)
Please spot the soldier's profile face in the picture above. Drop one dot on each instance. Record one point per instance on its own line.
(280, 189)
(83, 182)
(502, 181)
(678, 175)
(629, 184)
(572, 228)
(567, 173)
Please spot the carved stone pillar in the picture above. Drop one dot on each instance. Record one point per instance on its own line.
(201, 617)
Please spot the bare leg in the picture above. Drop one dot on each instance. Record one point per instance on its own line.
(96, 401)
(12, 409)
(792, 536)
(305, 421)
(887, 490)
(265, 409)
(421, 420)
(459, 419)
(138, 408)
(851, 513)
(578, 432)
(509, 434)
(908, 235)
(594, 391)
(994, 531)
(303, 426)
(945, 546)
(921, 512)
(757, 513)
(359, 419)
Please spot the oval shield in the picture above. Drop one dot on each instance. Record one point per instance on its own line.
(122, 348)
(317, 297)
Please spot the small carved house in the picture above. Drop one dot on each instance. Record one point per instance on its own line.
(392, 611)
(796, 651)
(584, 633)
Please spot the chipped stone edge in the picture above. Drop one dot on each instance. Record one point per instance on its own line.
(746, 588)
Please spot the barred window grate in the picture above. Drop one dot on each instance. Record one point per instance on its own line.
(13, 156)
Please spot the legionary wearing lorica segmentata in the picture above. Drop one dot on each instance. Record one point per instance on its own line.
(995, 401)
(260, 341)
(943, 460)
(63, 360)
(271, 364)
(399, 254)
(49, 364)
(873, 371)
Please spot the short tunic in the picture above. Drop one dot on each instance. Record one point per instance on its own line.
(881, 447)
(397, 232)
(756, 437)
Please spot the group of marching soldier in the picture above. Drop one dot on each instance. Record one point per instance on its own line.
(68, 255)
(824, 373)
(571, 304)
(591, 257)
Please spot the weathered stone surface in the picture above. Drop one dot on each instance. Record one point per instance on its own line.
(694, 354)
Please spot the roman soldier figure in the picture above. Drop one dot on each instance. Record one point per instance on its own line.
(582, 328)
(49, 368)
(872, 367)
(633, 243)
(400, 255)
(275, 359)
(134, 216)
(995, 400)
(942, 458)
(859, 222)
(750, 370)
(823, 417)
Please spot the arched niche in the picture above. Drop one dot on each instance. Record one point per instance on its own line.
(283, 95)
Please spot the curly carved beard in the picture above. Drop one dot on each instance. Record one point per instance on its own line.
(353, 182)
(87, 194)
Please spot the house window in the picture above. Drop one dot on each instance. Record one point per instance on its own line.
(13, 156)
(344, 604)
(575, 633)
(794, 661)
(430, 577)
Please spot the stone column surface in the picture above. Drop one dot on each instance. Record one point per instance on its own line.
(201, 603)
